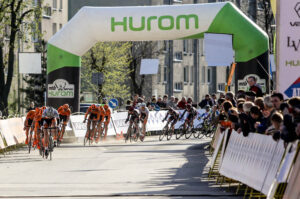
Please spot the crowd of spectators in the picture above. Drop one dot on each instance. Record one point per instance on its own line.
(245, 112)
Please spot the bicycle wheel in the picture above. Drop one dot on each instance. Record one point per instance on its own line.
(201, 132)
(127, 137)
(196, 131)
(180, 132)
(85, 139)
(136, 135)
(163, 133)
(188, 132)
(169, 134)
(30, 141)
(51, 146)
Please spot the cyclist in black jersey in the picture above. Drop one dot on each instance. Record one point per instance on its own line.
(174, 115)
(192, 113)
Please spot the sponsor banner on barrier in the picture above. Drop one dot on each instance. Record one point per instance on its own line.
(219, 141)
(2, 146)
(117, 123)
(252, 160)
(12, 130)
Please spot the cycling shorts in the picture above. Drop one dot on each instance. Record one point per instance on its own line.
(48, 122)
(106, 118)
(29, 122)
(190, 117)
(101, 117)
(93, 116)
(143, 115)
(134, 118)
(174, 119)
(63, 118)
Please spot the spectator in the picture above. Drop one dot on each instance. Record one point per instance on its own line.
(222, 95)
(189, 100)
(31, 107)
(172, 103)
(240, 106)
(240, 94)
(165, 99)
(254, 86)
(245, 119)
(135, 100)
(250, 96)
(176, 100)
(214, 99)
(260, 103)
(205, 101)
(230, 97)
(276, 121)
(182, 104)
(258, 123)
(269, 109)
(277, 100)
(161, 103)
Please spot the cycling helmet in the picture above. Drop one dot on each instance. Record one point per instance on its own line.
(50, 112)
(93, 106)
(188, 106)
(143, 105)
(207, 107)
(66, 106)
(105, 106)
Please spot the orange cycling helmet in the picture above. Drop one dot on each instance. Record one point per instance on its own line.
(93, 106)
(66, 106)
(105, 106)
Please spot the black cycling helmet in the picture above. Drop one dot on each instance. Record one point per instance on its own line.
(131, 108)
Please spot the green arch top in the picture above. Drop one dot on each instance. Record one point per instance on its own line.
(191, 21)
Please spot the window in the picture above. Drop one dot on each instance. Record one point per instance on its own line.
(60, 26)
(185, 46)
(192, 74)
(47, 12)
(178, 56)
(35, 37)
(208, 75)
(178, 86)
(60, 5)
(35, 3)
(186, 74)
(54, 28)
(165, 73)
(54, 4)
(221, 86)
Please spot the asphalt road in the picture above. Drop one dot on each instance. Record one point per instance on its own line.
(112, 169)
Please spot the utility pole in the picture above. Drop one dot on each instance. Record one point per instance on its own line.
(170, 65)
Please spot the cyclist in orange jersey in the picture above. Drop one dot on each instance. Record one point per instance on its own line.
(94, 115)
(28, 122)
(64, 116)
(38, 124)
(107, 118)
(99, 126)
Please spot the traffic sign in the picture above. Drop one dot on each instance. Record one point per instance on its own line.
(113, 103)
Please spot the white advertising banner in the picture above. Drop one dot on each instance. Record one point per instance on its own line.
(30, 63)
(149, 66)
(252, 160)
(117, 123)
(218, 49)
(288, 48)
(5, 128)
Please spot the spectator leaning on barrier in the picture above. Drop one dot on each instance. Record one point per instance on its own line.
(245, 119)
(276, 121)
(269, 109)
(277, 99)
(176, 100)
(254, 86)
(161, 103)
(182, 103)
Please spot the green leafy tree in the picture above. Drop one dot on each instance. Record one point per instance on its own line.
(111, 59)
(16, 22)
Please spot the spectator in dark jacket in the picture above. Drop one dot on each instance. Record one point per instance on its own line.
(254, 86)
(206, 101)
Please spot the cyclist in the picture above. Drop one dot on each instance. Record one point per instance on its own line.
(206, 114)
(174, 115)
(37, 127)
(64, 116)
(144, 114)
(192, 113)
(94, 115)
(50, 116)
(101, 119)
(107, 116)
(28, 122)
(133, 117)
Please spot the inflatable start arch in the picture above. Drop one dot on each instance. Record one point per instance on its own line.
(94, 24)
